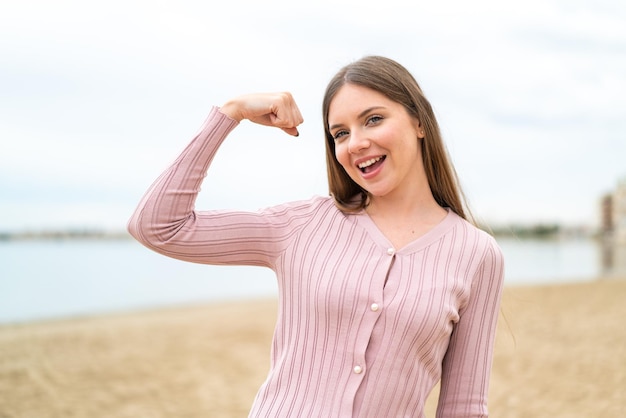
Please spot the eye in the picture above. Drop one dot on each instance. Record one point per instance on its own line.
(339, 134)
(373, 120)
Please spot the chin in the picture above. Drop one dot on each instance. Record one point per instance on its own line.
(376, 193)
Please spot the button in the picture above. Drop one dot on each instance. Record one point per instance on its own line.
(391, 251)
(358, 369)
(374, 307)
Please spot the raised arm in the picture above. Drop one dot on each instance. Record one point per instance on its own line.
(166, 220)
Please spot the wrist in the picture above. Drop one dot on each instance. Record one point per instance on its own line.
(231, 110)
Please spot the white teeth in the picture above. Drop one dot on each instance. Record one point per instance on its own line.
(369, 162)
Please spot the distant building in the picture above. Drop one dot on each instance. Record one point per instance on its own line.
(613, 213)
(619, 213)
(606, 215)
(613, 229)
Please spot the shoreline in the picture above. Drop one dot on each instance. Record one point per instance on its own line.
(560, 352)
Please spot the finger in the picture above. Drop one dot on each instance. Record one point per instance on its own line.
(291, 131)
(286, 118)
(286, 110)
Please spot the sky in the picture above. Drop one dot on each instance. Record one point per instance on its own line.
(97, 98)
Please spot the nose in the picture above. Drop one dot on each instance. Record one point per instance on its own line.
(358, 141)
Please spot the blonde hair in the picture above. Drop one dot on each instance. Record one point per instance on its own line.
(394, 81)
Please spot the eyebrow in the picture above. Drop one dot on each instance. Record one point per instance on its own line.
(360, 115)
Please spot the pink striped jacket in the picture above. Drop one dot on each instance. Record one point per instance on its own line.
(363, 329)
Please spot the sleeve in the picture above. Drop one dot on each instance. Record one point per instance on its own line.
(166, 220)
(468, 360)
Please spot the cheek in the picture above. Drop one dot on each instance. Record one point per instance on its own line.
(342, 155)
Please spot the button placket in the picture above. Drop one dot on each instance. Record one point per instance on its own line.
(373, 311)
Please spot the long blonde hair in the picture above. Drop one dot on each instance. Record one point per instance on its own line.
(394, 81)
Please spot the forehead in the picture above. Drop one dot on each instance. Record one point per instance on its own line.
(352, 98)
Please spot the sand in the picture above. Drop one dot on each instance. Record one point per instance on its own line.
(560, 352)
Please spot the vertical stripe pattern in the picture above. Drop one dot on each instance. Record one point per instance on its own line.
(363, 330)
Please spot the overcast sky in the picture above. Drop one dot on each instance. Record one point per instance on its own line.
(96, 98)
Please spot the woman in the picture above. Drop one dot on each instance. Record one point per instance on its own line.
(384, 287)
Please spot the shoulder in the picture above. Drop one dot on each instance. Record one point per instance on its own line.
(312, 203)
(312, 207)
(299, 216)
(475, 236)
(481, 251)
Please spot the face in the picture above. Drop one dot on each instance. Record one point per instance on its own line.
(377, 142)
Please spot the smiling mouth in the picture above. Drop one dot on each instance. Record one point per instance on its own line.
(370, 165)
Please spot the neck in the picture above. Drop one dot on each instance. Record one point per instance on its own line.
(404, 220)
(405, 206)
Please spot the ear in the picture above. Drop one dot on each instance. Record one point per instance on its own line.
(419, 129)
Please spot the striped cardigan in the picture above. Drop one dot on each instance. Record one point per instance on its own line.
(363, 329)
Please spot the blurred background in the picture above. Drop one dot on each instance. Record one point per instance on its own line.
(97, 98)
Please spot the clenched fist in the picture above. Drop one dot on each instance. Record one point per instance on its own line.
(270, 109)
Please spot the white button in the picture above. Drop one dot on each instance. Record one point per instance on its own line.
(374, 307)
(358, 369)
(391, 251)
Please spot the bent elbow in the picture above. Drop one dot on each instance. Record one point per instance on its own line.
(158, 236)
(139, 229)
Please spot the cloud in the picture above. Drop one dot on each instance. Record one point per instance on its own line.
(98, 98)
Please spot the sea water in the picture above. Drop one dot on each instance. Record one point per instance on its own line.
(50, 279)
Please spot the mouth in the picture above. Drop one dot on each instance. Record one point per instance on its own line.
(370, 165)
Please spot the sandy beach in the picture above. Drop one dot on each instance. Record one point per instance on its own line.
(560, 353)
